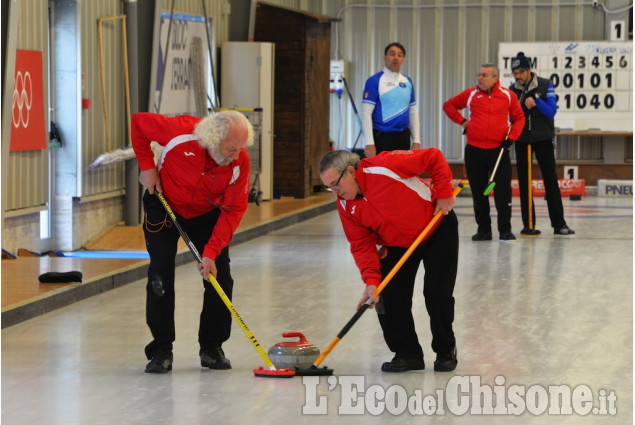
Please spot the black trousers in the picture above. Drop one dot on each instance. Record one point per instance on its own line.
(439, 253)
(392, 141)
(161, 242)
(479, 163)
(544, 151)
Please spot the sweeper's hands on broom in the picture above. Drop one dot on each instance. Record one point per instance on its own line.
(150, 180)
(369, 292)
(206, 267)
(507, 143)
(445, 205)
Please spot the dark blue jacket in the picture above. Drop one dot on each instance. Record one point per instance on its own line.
(539, 125)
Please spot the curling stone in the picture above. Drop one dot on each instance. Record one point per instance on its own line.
(292, 354)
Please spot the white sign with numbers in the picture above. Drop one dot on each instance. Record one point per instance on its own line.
(618, 30)
(593, 81)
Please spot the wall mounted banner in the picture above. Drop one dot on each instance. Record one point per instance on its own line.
(175, 86)
(28, 130)
(568, 187)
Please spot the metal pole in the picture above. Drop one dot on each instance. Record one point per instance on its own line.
(165, 59)
(132, 200)
(211, 62)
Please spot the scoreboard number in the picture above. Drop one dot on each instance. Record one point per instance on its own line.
(618, 30)
(593, 80)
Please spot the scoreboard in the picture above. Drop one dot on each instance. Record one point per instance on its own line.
(593, 80)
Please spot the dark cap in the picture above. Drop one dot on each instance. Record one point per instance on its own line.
(520, 61)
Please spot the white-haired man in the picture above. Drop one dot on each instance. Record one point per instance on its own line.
(203, 173)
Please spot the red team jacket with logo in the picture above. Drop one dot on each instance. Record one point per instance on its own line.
(396, 204)
(193, 183)
(488, 115)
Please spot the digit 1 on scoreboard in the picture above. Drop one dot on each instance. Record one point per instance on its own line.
(617, 31)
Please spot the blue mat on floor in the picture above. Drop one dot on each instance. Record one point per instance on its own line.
(108, 254)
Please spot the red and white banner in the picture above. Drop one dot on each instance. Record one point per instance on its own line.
(28, 130)
(567, 187)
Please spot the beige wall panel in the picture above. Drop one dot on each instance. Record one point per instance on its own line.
(28, 170)
(94, 140)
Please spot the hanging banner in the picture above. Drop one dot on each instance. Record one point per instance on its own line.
(174, 89)
(28, 130)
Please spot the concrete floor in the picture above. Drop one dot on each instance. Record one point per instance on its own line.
(531, 315)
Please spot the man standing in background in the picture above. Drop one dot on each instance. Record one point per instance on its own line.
(490, 108)
(389, 110)
(538, 100)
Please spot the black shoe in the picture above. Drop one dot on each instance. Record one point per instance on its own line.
(529, 232)
(397, 364)
(214, 358)
(482, 237)
(563, 231)
(161, 362)
(507, 236)
(446, 362)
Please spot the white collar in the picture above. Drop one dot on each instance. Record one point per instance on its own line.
(394, 75)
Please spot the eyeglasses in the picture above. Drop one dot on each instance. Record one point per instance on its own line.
(336, 185)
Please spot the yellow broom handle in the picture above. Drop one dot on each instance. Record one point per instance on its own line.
(240, 321)
(530, 193)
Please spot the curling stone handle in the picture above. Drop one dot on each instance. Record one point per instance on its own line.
(300, 335)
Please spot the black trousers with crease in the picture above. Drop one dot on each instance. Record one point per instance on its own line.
(392, 141)
(439, 254)
(479, 164)
(544, 152)
(161, 242)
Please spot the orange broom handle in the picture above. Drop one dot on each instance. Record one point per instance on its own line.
(415, 244)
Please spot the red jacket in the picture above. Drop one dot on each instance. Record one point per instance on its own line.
(396, 204)
(488, 115)
(193, 183)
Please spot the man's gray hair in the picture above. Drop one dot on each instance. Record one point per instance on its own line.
(340, 160)
(214, 128)
(495, 71)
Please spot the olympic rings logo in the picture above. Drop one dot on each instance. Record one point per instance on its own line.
(22, 99)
